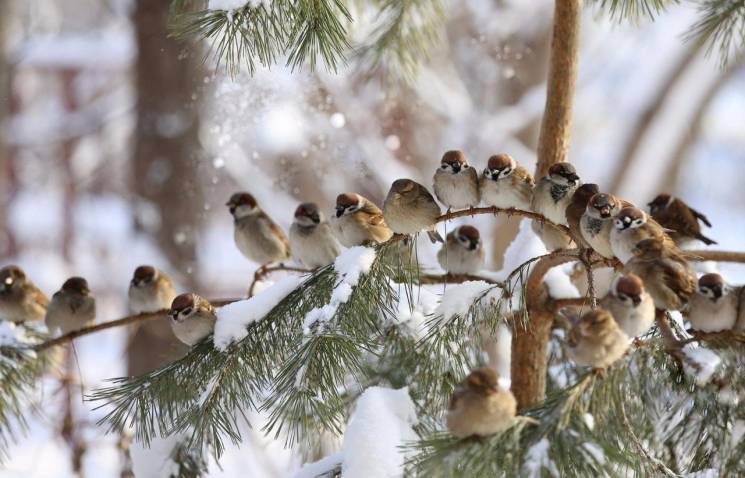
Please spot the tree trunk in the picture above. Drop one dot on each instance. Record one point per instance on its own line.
(164, 171)
(530, 344)
(556, 126)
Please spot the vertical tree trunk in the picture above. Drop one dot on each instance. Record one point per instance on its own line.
(166, 155)
(556, 126)
(530, 345)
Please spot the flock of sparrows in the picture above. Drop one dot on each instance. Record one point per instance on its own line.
(656, 273)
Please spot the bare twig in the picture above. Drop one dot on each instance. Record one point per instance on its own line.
(508, 212)
(429, 279)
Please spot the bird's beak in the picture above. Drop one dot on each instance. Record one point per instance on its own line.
(456, 168)
(573, 178)
(636, 300)
(339, 211)
(605, 212)
(472, 245)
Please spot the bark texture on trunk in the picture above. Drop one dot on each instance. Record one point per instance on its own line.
(530, 343)
(556, 126)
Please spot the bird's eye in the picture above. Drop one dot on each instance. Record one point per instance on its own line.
(186, 311)
(444, 166)
(464, 166)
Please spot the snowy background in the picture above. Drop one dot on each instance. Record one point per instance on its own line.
(71, 200)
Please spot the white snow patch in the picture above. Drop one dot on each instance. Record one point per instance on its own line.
(320, 467)
(537, 460)
(560, 285)
(12, 335)
(594, 451)
(233, 319)
(457, 299)
(235, 4)
(706, 360)
(350, 265)
(381, 423)
(412, 319)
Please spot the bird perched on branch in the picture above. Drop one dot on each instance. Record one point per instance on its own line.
(359, 222)
(666, 274)
(258, 237)
(682, 220)
(630, 305)
(456, 183)
(311, 239)
(463, 252)
(551, 196)
(20, 299)
(409, 208)
(554, 192)
(192, 318)
(596, 223)
(150, 290)
(480, 406)
(73, 307)
(596, 340)
(714, 306)
(505, 184)
(576, 209)
(631, 226)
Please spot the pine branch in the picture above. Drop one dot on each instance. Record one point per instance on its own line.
(405, 33)
(721, 25)
(635, 9)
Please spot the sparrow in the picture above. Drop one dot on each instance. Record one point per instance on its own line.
(359, 222)
(480, 406)
(714, 305)
(258, 238)
(150, 290)
(409, 208)
(463, 251)
(456, 183)
(20, 299)
(632, 225)
(630, 305)
(576, 209)
(71, 308)
(505, 184)
(312, 241)
(192, 318)
(553, 193)
(596, 340)
(680, 218)
(596, 223)
(667, 276)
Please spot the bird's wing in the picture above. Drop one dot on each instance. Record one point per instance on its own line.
(39, 296)
(276, 231)
(700, 216)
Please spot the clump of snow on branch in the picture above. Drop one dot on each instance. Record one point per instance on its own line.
(321, 467)
(537, 460)
(12, 335)
(381, 423)
(350, 265)
(701, 364)
(458, 299)
(413, 310)
(236, 4)
(233, 319)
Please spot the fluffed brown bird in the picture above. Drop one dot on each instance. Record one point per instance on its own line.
(666, 274)
(682, 220)
(596, 340)
(480, 406)
(577, 207)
